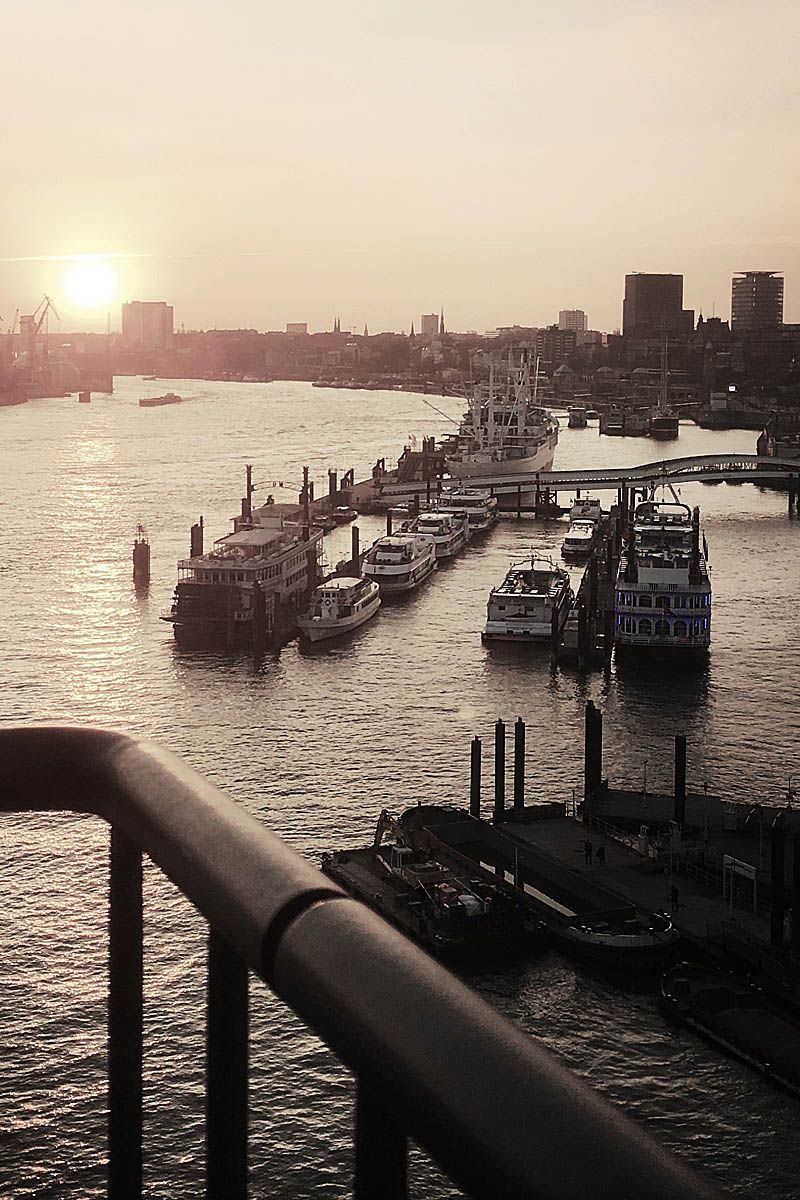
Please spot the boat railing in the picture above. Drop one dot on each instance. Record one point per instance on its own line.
(432, 1061)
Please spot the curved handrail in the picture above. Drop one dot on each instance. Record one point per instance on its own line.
(500, 1112)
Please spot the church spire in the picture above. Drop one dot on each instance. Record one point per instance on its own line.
(441, 323)
(411, 335)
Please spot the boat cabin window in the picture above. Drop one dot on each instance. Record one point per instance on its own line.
(645, 602)
(662, 628)
(645, 625)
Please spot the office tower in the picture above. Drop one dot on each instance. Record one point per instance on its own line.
(573, 318)
(756, 301)
(653, 305)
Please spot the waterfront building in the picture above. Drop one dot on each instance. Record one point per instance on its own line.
(756, 301)
(147, 324)
(653, 304)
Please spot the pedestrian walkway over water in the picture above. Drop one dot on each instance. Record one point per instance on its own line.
(705, 468)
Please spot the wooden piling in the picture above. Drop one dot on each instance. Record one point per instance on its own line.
(519, 763)
(475, 778)
(680, 779)
(355, 551)
(593, 750)
(388, 522)
(499, 769)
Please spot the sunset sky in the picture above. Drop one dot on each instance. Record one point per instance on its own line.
(254, 163)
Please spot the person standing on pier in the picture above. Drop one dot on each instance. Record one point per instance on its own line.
(601, 856)
(673, 897)
(587, 852)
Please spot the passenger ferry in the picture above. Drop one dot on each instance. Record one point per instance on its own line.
(399, 562)
(584, 521)
(663, 590)
(449, 531)
(579, 539)
(531, 605)
(479, 506)
(339, 605)
(249, 588)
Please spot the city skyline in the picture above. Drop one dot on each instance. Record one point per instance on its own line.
(373, 163)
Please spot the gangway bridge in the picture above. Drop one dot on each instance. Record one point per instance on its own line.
(705, 468)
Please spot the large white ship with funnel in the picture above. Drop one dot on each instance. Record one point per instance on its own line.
(505, 430)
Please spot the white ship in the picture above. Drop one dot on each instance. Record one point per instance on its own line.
(399, 562)
(479, 506)
(449, 531)
(505, 431)
(584, 520)
(339, 605)
(663, 590)
(531, 605)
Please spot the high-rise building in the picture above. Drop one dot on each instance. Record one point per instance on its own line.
(298, 327)
(573, 318)
(147, 323)
(756, 301)
(429, 326)
(653, 305)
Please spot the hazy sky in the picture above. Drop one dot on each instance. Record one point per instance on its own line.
(257, 163)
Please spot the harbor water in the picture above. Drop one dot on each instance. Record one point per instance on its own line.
(316, 742)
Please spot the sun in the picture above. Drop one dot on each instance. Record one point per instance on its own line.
(92, 282)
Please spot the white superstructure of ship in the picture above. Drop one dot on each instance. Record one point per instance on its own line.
(531, 604)
(505, 430)
(449, 531)
(339, 605)
(399, 562)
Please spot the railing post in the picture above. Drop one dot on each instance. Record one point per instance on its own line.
(226, 1073)
(125, 1020)
(381, 1151)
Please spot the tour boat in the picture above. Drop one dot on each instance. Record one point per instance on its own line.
(576, 418)
(579, 539)
(399, 562)
(505, 431)
(343, 514)
(531, 604)
(248, 589)
(480, 507)
(449, 531)
(663, 590)
(584, 520)
(339, 605)
(157, 401)
(628, 939)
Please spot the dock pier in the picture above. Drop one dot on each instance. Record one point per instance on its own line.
(728, 869)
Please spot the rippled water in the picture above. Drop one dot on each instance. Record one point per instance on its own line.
(317, 742)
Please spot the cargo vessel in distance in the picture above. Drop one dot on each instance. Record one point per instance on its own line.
(157, 401)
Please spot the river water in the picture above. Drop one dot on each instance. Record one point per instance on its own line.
(316, 743)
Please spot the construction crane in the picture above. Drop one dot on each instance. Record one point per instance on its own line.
(32, 326)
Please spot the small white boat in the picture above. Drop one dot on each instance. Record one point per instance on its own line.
(399, 562)
(588, 509)
(579, 539)
(531, 604)
(449, 531)
(339, 605)
(480, 507)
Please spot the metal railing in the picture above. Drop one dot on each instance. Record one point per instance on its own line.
(432, 1061)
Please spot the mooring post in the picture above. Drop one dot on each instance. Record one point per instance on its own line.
(519, 763)
(499, 769)
(427, 494)
(593, 750)
(519, 501)
(388, 522)
(776, 849)
(355, 550)
(475, 778)
(332, 488)
(679, 813)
